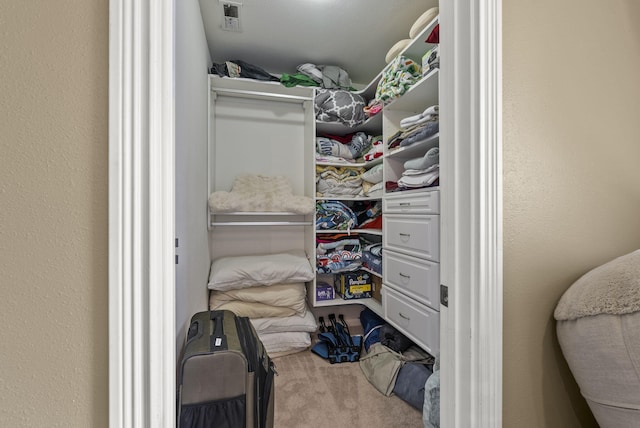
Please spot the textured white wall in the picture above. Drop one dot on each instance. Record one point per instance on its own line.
(53, 213)
(192, 61)
(571, 182)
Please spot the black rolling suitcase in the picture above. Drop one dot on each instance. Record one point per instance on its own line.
(226, 376)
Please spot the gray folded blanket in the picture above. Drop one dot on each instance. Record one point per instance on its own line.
(612, 288)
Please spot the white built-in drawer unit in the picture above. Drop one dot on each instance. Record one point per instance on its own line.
(418, 322)
(417, 278)
(415, 235)
(419, 203)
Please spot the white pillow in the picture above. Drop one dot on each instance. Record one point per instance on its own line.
(375, 190)
(396, 49)
(228, 273)
(291, 296)
(373, 175)
(423, 21)
(252, 309)
(279, 342)
(281, 324)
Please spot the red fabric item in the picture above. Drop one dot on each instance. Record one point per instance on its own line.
(373, 224)
(434, 37)
(344, 139)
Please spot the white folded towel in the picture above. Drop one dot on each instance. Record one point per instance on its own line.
(429, 114)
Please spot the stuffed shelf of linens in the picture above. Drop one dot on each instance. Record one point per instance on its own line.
(348, 223)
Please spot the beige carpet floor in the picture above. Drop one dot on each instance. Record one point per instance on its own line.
(310, 393)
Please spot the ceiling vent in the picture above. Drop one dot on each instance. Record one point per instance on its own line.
(231, 16)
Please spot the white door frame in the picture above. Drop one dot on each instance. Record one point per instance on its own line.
(142, 362)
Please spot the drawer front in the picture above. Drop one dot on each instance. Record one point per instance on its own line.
(418, 322)
(415, 277)
(417, 236)
(421, 203)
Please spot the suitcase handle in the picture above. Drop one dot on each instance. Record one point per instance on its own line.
(217, 340)
(194, 332)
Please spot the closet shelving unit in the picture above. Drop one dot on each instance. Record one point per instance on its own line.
(280, 119)
(410, 234)
(410, 279)
(372, 126)
(411, 218)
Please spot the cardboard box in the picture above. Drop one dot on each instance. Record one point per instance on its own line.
(324, 291)
(377, 288)
(354, 285)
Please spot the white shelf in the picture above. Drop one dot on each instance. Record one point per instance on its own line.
(415, 149)
(422, 94)
(254, 218)
(371, 126)
(259, 213)
(260, 223)
(412, 191)
(374, 273)
(418, 47)
(351, 231)
(369, 302)
(353, 198)
(366, 165)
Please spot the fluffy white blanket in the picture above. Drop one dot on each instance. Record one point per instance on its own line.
(260, 193)
(612, 288)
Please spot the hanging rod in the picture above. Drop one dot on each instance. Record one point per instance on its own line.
(269, 95)
(260, 223)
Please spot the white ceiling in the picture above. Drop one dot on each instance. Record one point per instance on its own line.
(278, 35)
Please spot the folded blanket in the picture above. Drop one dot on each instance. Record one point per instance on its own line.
(418, 179)
(424, 132)
(352, 149)
(430, 113)
(342, 254)
(260, 193)
(397, 79)
(430, 158)
(334, 215)
(338, 181)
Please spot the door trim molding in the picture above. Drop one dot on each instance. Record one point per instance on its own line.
(142, 364)
(471, 216)
(141, 214)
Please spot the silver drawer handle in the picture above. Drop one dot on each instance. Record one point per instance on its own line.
(404, 276)
(405, 317)
(405, 204)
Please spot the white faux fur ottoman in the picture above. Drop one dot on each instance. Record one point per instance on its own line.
(598, 326)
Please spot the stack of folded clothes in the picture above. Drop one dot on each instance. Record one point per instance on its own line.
(348, 147)
(333, 181)
(421, 172)
(376, 149)
(416, 129)
(337, 253)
